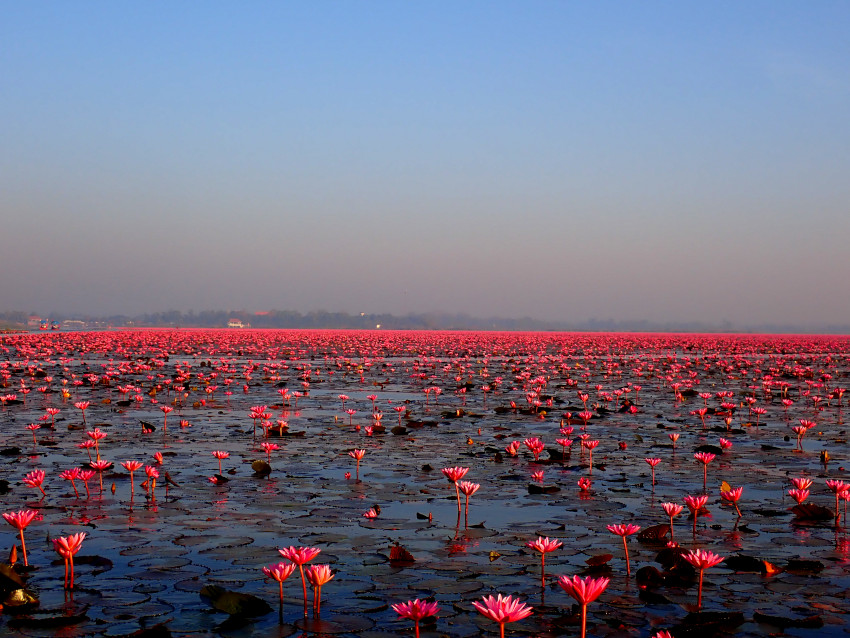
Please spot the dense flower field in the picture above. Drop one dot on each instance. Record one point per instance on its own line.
(275, 483)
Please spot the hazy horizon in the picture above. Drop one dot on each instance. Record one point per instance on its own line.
(559, 161)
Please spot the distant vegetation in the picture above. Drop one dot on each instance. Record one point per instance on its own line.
(426, 321)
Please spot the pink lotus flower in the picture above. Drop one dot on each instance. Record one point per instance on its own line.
(220, 454)
(705, 458)
(299, 556)
(544, 546)
(279, 572)
(702, 560)
(468, 488)
(802, 483)
(732, 496)
(35, 479)
(584, 591)
(536, 446)
(68, 547)
(20, 520)
(695, 504)
(652, 463)
(799, 495)
(624, 531)
(672, 510)
(318, 575)
(72, 475)
(416, 610)
(502, 609)
(454, 474)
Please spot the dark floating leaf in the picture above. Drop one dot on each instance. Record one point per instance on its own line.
(769, 513)
(741, 563)
(810, 622)
(533, 488)
(648, 576)
(160, 630)
(10, 451)
(799, 565)
(147, 428)
(399, 430)
(400, 556)
(235, 603)
(812, 512)
(714, 619)
(47, 620)
(9, 579)
(599, 559)
(4, 486)
(711, 449)
(654, 534)
(19, 600)
(261, 468)
(653, 598)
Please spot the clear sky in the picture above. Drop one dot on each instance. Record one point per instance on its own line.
(682, 161)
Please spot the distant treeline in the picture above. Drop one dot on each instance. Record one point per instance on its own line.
(426, 321)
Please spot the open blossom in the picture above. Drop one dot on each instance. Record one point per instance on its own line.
(279, 572)
(454, 474)
(799, 495)
(416, 609)
(35, 479)
(624, 530)
(318, 575)
(544, 545)
(468, 487)
(502, 609)
(299, 555)
(702, 559)
(583, 590)
(695, 503)
(801, 483)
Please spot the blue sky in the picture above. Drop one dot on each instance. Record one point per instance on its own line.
(560, 160)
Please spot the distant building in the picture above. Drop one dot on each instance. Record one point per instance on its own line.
(33, 321)
(238, 323)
